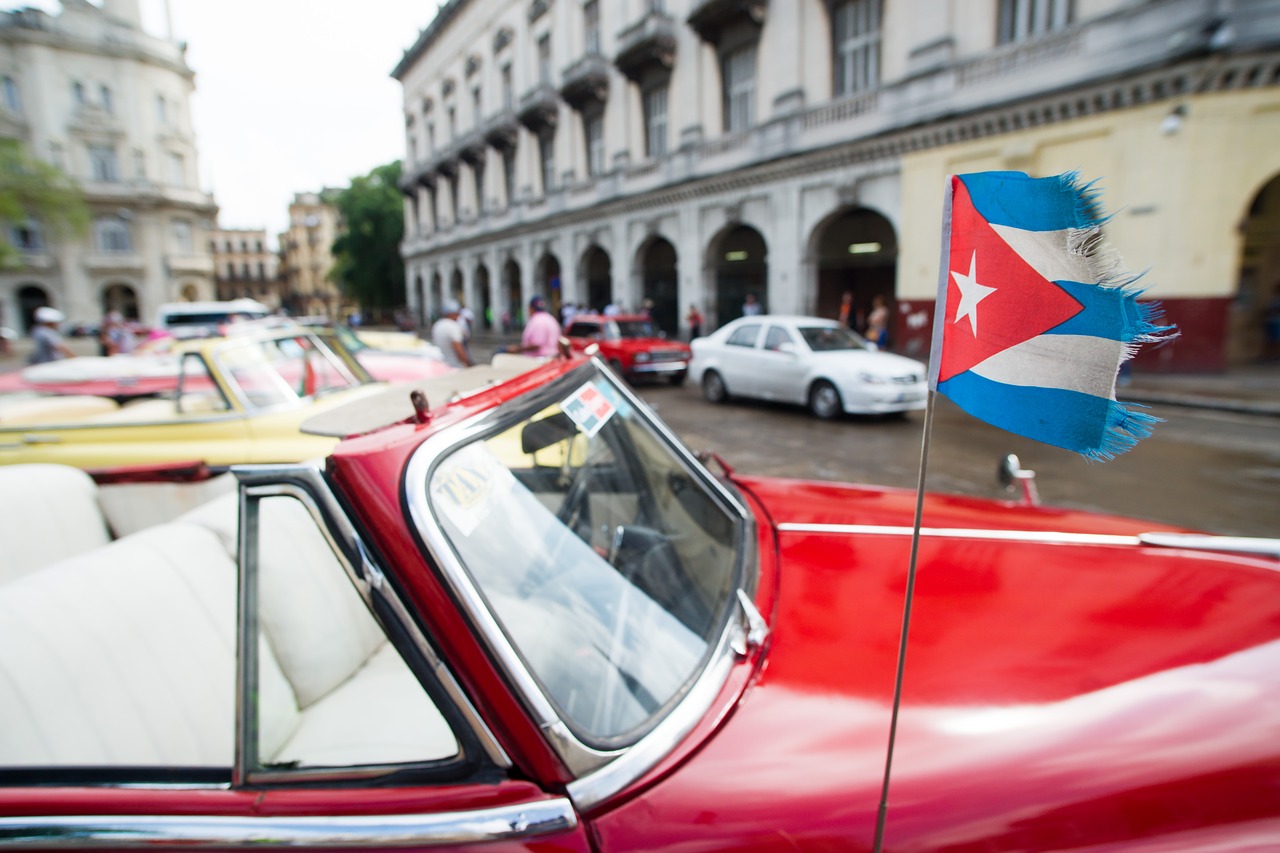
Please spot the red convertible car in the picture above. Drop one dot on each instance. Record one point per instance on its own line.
(521, 615)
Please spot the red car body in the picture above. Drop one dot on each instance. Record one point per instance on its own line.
(1067, 687)
(631, 345)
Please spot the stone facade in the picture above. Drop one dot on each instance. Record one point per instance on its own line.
(88, 91)
(306, 258)
(244, 266)
(693, 151)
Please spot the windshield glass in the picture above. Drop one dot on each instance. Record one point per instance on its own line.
(828, 338)
(609, 562)
(635, 329)
(280, 371)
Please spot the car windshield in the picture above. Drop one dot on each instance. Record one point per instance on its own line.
(635, 329)
(271, 372)
(610, 561)
(831, 338)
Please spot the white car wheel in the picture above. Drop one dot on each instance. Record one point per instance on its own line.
(824, 400)
(713, 388)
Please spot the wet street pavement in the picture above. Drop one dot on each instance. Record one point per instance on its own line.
(1203, 468)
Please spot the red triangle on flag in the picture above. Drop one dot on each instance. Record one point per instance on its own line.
(1022, 305)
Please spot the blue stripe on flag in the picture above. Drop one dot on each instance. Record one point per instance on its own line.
(1096, 427)
(1032, 204)
(1113, 313)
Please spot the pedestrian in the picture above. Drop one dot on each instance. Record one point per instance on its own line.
(694, 319)
(751, 307)
(448, 336)
(467, 318)
(47, 338)
(541, 335)
(878, 323)
(116, 336)
(845, 317)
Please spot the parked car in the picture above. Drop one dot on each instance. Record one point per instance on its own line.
(632, 346)
(196, 319)
(808, 361)
(237, 399)
(514, 612)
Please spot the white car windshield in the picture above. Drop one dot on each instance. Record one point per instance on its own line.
(610, 562)
(831, 338)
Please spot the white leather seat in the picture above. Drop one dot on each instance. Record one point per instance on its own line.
(47, 513)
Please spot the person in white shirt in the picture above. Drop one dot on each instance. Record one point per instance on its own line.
(449, 336)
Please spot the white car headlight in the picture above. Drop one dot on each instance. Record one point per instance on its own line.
(642, 356)
(873, 379)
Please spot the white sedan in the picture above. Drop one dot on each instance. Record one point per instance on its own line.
(810, 361)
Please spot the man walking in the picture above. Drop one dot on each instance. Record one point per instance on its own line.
(448, 335)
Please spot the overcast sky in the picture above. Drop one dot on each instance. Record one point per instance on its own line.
(291, 95)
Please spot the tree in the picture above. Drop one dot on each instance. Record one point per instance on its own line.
(367, 265)
(32, 191)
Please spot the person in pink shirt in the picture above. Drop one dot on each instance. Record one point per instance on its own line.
(541, 334)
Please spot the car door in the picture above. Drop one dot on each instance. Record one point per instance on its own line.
(740, 359)
(780, 372)
(162, 696)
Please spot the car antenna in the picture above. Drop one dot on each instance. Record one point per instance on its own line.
(421, 409)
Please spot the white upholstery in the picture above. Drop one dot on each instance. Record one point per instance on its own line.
(126, 656)
(318, 627)
(47, 513)
(130, 507)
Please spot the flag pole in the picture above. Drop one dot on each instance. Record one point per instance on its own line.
(883, 812)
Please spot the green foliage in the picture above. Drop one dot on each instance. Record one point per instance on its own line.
(367, 265)
(32, 190)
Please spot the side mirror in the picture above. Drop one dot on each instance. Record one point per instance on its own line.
(1014, 477)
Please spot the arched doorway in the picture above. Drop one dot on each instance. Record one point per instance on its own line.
(478, 301)
(437, 296)
(597, 272)
(548, 282)
(457, 291)
(659, 284)
(740, 264)
(420, 292)
(512, 297)
(122, 298)
(30, 297)
(857, 253)
(1254, 326)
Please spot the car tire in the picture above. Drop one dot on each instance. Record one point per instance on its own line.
(713, 388)
(824, 400)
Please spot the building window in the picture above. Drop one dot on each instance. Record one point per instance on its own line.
(508, 89)
(593, 130)
(162, 110)
(431, 139)
(509, 176)
(739, 74)
(111, 235)
(477, 106)
(27, 237)
(1025, 19)
(477, 172)
(856, 58)
(182, 241)
(108, 105)
(591, 24)
(453, 196)
(177, 170)
(102, 164)
(547, 158)
(544, 60)
(12, 97)
(655, 121)
(453, 124)
(77, 93)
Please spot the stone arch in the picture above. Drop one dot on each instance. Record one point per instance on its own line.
(738, 262)
(478, 299)
(121, 296)
(547, 282)
(597, 272)
(31, 297)
(855, 251)
(512, 297)
(1254, 326)
(659, 282)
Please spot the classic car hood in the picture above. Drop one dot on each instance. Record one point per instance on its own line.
(1094, 672)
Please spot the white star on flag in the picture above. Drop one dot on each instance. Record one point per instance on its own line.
(971, 293)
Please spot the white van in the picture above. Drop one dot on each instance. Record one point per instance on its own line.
(202, 318)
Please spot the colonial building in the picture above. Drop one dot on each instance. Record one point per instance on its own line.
(694, 151)
(306, 258)
(244, 266)
(88, 91)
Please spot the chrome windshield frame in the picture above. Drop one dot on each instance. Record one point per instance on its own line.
(600, 773)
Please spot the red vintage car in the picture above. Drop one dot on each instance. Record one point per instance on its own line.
(513, 612)
(631, 345)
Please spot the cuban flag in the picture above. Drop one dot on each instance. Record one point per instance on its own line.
(1034, 318)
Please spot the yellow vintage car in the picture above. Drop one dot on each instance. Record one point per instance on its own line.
(239, 399)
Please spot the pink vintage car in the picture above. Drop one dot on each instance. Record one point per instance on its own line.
(512, 611)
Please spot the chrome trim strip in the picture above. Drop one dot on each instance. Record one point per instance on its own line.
(307, 483)
(112, 832)
(622, 766)
(1257, 546)
(1042, 536)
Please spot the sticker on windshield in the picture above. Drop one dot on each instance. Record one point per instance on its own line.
(466, 485)
(589, 408)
